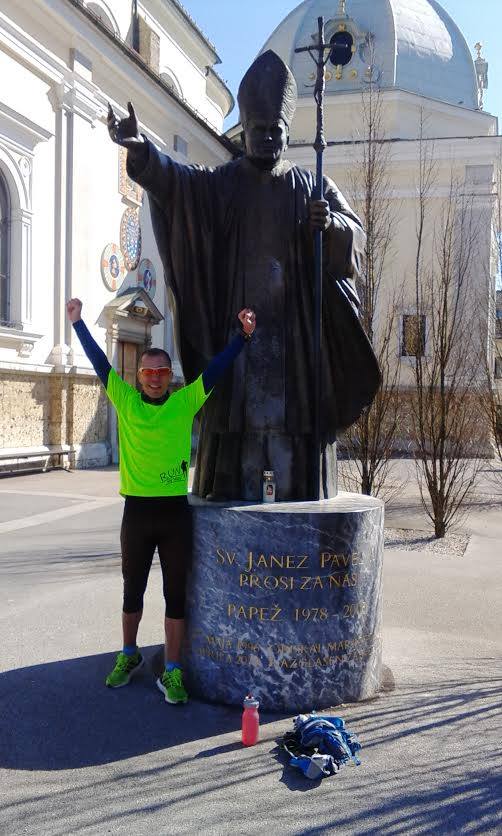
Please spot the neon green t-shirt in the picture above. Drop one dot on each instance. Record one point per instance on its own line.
(155, 441)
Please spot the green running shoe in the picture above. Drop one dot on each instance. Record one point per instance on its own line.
(171, 685)
(125, 667)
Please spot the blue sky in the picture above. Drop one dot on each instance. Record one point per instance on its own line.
(238, 30)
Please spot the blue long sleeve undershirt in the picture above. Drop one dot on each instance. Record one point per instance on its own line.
(210, 376)
(219, 364)
(94, 353)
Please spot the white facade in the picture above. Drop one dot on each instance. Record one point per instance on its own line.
(62, 202)
(422, 71)
(61, 62)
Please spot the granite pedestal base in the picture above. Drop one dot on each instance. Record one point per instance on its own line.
(284, 600)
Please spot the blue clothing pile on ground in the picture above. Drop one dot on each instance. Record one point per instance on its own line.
(320, 745)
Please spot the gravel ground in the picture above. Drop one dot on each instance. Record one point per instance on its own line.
(404, 539)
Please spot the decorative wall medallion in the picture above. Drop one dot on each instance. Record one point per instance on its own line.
(25, 349)
(127, 187)
(24, 167)
(146, 277)
(112, 267)
(327, 76)
(130, 238)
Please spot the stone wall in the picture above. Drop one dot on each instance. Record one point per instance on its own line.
(24, 413)
(66, 413)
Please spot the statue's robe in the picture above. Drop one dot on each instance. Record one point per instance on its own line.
(235, 237)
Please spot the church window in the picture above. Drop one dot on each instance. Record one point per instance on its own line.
(180, 145)
(498, 368)
(168, 81)
(343, 48)
(172, 82)
(100, 13)
(413, 335)
(5, 226)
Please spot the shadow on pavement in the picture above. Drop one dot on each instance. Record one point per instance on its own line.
(446, 708)
(451, 807)
(431, 759)
(220, 750)
(61, 716)
(62, 564)
(442, 737)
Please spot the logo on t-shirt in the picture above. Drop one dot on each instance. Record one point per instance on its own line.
(175, 474)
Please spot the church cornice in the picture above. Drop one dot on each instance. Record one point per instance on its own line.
(194, 27)
(393, 93)
(78, 96)
(471, 150)
(44, 63)
(24, 134)
(136, 59)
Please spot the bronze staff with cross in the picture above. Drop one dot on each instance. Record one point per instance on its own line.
(323, 52)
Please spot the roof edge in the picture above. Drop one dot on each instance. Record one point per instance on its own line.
(141, 63)
(193, 25)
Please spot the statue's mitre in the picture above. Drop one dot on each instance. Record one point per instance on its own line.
(268, 90)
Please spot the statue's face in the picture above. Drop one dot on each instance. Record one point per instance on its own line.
(266, 141)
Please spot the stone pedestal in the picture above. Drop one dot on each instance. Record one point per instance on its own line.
(284, 600)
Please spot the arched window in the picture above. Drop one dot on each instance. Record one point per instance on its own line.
(4, 250)
(172, 82)
(102, 16)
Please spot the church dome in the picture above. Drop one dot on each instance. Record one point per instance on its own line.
(412, 45)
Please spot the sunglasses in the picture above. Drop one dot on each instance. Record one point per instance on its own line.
(160, 371)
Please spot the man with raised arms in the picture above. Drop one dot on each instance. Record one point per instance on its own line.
(155, 444)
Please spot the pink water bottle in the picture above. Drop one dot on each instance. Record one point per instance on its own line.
(250, 721)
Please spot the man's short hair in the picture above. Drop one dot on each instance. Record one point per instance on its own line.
(156, 352)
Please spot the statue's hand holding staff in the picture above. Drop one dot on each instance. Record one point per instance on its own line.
(124, 132)
(320, 215)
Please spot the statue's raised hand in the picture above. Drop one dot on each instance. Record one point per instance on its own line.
(124, 131)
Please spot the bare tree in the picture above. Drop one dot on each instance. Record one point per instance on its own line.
(369, 444)
(490, 309)
(447, 434)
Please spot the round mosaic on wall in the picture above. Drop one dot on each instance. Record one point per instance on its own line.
(112, 267)
(130, 238)
(147, 277)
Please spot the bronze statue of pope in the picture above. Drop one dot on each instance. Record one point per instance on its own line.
(241, 235)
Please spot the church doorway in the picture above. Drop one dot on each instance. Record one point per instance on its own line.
(128, 358)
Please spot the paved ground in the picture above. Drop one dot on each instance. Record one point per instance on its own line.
(78, 758)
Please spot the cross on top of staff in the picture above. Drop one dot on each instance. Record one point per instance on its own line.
(320, 47)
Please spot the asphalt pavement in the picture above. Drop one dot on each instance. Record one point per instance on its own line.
(76, 757)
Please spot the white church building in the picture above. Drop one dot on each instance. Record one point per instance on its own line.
(429, 85)
(72, 224)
